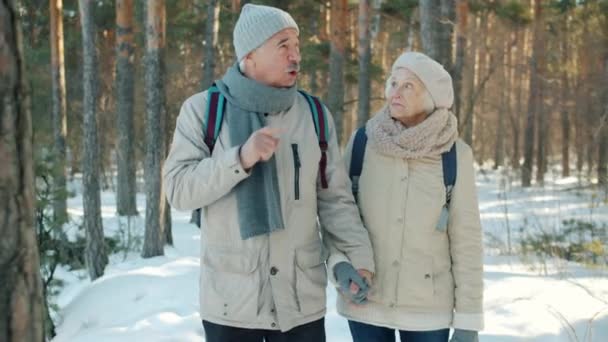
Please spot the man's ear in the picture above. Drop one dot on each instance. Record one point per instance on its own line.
(250, 60)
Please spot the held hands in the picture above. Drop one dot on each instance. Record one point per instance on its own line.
(354, 284)
(260, 146)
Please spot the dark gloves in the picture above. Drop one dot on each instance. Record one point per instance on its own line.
(460, 335)
(345, 273)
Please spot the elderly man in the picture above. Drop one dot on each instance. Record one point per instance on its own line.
(262, 161)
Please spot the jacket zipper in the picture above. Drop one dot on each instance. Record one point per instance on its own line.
(296, 166)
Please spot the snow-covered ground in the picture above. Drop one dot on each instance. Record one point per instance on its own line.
(157, 299)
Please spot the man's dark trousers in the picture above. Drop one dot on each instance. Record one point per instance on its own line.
(313, 331)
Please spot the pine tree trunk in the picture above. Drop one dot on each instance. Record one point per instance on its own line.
(446, 26)
(95, 252)
(211, 33)
(154, 236)
(472, 71)
(542, 112)
(461, 45)
(520, 88)
(534, 98)
(499, 152)
(126, 188)
(314, 28)
(58, 109)
(565, 116)
(165, 212)
(21, 301)
(335, 96)
(602, 161)
(365, 57)
(430, 30)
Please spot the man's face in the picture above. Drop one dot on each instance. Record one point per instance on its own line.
(277, 62)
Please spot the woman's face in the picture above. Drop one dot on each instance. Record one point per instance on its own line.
(406, 97)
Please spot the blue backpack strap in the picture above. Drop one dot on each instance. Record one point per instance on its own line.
(214, 115)
(322, 130)
(356, 159)
(448, 161)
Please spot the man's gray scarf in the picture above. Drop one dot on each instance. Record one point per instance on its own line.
(258, 198)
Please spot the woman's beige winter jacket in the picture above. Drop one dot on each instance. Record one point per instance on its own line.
(425, 279)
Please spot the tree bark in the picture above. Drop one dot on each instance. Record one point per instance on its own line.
(461, 45)
(365, 57)
(472, 71)
(211, 33)
(602, 111)
(95, 252)
(126, 189)
(430, 31)
(446, 34)
(59, 110)
(535, 95)
(153, 237)
(335, 96)
(21, 301)
(499, 153)
(565, 116)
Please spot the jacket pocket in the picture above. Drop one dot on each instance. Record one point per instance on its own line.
(230, 282)
(297, 164)
(311, 277)
(415, 286)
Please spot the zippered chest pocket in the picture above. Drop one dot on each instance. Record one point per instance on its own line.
(297, 165)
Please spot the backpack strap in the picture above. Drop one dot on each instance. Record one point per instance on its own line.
(448, 161)
(322, 130)
(356, 159)
(214, 115)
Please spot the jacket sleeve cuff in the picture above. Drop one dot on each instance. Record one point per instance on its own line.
(334, 259)
(232, 163)
(363, 261)
(468, 321)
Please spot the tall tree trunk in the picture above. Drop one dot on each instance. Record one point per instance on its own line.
(314, 29)
(211, 33)
(21, 301)
(504, 110)
(565, 116)
(126, 188)
(365, 57)
(533, 100)
(461, 46)
(59, 110)
(602, 161)
(153, 237)
(95, 252)
(602, 85)
(335, 95)
(165, 213)
(542, 112)
(472, 72)
(520, 88)
(446, 25)
(430, 28)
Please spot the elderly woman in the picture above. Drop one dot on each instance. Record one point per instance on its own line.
(425, 233)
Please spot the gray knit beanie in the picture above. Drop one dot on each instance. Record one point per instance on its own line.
(256, 24)
(432, 74)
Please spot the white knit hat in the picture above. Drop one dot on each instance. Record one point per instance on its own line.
(256, 24)
(435, 78)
